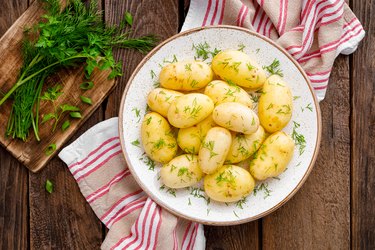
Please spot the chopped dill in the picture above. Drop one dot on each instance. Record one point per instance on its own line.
(273, 68)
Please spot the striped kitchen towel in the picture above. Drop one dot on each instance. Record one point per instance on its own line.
(134, 220)
(313, 32)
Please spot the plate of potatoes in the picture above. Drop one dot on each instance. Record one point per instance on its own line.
(219, 125)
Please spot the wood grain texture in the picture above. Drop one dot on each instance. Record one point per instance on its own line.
(14, 223)
(363, 131)
(158, 17)
(233, 237)
(318, 216)
(31, 153)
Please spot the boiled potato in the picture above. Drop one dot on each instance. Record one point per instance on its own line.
(182, 171)
(186, 75)
(160, 99)
(157, 138)
(190, 139)
(220, 92)
(237, 67)
(243, 146)
(275, 105)
(236, 117)
(214, 149)
(230, 183)
(190, 109)
(273, 156)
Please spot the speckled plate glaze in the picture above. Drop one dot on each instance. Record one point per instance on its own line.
(192, 203)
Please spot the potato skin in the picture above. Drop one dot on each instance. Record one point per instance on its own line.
(221, 92)
(186, 75)
(158, 140)
(275, 105)
(182, 171)
(238, 68)
(189, 109)
(214, 149)
(229, 184)
(273, 156)
(236, 117)
(159, 100)
(190, 139)
(243, 146)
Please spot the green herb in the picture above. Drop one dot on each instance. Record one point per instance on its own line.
(241, 47)
(250, 67)
(296, 97)
(52, 93)
(86, 100)
(49, 186)
(257, 50)
(58, 113)
(199, 193)
(137, 113)
(149, 162)
(64, 38)
(50, 149)
(128, 18)
(298, 138)
(307, 107)
(228, 177)
(136, 143)
(273, 68)
(188, 67)
(171, 61)
(86, 85)
(241, 202)
(65, 125)
(76, 115)
(262, 187)
(208, 211)
(202, 50)
(235, 214)
(153, 75)
(210, 147)
(189, 201)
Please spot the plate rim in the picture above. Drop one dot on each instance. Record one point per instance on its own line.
(202, 221)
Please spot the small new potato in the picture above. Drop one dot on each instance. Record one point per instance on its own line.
(229, 184)
(214, 149)
(182, 171)
(236, 117)
(239, 68)
(186, 75)
(220, 92)
(275, 105)
(244, 146)
(190, 109)
(190, 139)
(159, 100)
(273, 156)
(158, 140)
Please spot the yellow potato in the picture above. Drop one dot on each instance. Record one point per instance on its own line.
(182, 171)
(275, 105)
(186, 75)
(160, 99)
(220, 92)
(190, 109)
(244, 146)
(237, 67)
(229, 184)
(158, 140)
(214, 149)
(236, 117)
(190, 139)
(273, 156)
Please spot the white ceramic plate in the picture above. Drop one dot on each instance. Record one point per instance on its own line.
(191, 203)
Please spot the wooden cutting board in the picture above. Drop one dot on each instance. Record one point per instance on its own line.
(32, 153)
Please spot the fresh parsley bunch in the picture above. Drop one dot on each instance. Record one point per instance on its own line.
(64, 38)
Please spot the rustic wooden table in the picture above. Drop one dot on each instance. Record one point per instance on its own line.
(335, 208)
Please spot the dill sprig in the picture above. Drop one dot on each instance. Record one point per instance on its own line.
(274, 69)
(64, 39)
(298, 138)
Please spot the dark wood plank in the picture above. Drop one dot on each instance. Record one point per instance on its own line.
(14, 223)
(63, 219)
(233, 237)
(363, 131)
(159, 17)
(319, 214)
